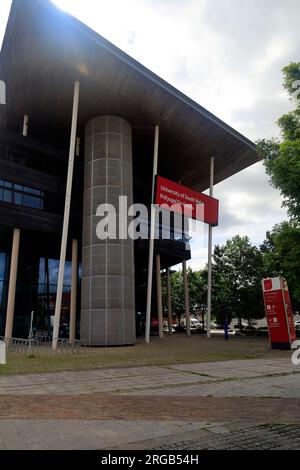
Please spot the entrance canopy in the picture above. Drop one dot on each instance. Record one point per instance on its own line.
(45, 50)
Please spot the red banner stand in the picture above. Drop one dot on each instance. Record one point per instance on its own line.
(279, 313)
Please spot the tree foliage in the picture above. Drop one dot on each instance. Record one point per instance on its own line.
(237, 274)
(282, 159)
(281, 249)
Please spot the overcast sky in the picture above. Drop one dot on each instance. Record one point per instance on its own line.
(225, 54)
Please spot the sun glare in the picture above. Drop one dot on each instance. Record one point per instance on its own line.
(65, 5)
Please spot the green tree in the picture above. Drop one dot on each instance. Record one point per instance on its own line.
(282, 158)
(237, 275)
(281, 249)
(197, 291)
(177, 292)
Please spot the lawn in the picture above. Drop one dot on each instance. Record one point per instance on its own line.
(170, 350)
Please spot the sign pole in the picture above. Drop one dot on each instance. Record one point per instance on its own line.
(209, 277)
(151, 241)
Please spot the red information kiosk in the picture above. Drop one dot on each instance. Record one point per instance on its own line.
(279, 313)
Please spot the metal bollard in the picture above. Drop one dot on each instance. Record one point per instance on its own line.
(2, 352)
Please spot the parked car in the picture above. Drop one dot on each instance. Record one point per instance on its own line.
(195, 325)
(166, 329)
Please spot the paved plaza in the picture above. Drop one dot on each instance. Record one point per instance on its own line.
(231, 404)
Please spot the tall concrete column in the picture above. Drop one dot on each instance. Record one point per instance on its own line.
(73, 303)
(108, 303)
(12, 283)
(186, 298)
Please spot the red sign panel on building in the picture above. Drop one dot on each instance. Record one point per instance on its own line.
(170, 194)
(279, 313)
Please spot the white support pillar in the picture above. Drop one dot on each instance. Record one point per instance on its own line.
(186, 299)
(151, 241)
(12, 283)
(209, 276)
(159, 299)
(169, 301)
(25, 125)
(66, 216)
(73, 304)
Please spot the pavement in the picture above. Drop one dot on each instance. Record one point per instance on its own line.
(238, 404)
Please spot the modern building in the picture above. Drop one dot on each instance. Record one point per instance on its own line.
(45, 52)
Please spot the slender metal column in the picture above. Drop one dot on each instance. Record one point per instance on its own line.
(151, 241)
(73, 304)
(159, 298)
(186, 299)
(66, 217)
(12, 283)
(25, 125)
(170, 322)
(209, 276)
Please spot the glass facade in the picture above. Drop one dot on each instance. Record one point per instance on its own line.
(21, 195)
(36, 290)
(46, 296)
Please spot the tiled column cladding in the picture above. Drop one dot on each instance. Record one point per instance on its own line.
(107, 310)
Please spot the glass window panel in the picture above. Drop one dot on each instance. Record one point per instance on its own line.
(37, 192)
(53, 270)
(18, 198)
(1, 295)
(42, 271)
(22, 195)
(80, 270)
(31, 201)
(52, 291)
(68, 273)
(7, 195)
(2, 265)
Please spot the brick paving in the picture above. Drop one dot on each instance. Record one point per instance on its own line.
(106, 407)
(232, 404)
(263, 437)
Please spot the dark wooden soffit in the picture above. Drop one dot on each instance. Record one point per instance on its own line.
(45, 50)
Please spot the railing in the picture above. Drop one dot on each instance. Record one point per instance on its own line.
(42, 339)
(31, 346)
(27, 347)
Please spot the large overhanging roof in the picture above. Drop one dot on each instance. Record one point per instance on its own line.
(45, 50)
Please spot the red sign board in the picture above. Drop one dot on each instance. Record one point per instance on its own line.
(197, 205)
(279, 313)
